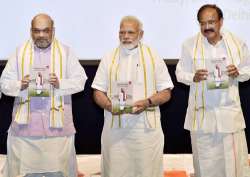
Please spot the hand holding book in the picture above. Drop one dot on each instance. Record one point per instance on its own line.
(53, 80)
(232, 71)
(25, 82)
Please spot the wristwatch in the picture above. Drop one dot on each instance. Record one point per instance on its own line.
(150, 102)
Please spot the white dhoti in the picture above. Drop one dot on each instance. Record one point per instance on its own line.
(220, 154)
(132, 144)
(28, 155)
(132, 153)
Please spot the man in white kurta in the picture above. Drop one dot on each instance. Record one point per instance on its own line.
(41, 136)
(214, 116)
(132, 143)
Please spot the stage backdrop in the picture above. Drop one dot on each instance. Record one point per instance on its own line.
(88, 117)
(91, 26)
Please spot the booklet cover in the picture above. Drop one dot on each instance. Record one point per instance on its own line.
(122, 98)
(217, 73)
(39, 82)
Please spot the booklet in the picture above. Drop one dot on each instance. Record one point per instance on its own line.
(122, 99)
(39, 82)
(217, 73)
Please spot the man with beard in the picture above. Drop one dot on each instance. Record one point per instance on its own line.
(214, 116)
(132, 137)
(41, 136)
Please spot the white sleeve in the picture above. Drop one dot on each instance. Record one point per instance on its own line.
(184, 69)
(101, 79)
(10, 85)
(163, 79)
(75, 77)
(244, 66)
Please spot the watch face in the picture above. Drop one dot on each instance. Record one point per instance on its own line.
(149, 101)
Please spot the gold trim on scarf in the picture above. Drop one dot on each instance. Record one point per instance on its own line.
(110, 82)
(22, 102)
(117, 51)
(53, 108)
(199, 39)
(237, 45)
(229, 51)
(153, 74)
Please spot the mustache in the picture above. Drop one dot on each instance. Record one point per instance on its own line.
(209, 30)
(38, 39)
(125, 41)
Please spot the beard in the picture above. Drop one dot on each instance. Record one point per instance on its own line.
(129, 45)
(42, 43)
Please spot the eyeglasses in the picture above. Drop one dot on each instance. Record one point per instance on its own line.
(209, 22)
(38, 31)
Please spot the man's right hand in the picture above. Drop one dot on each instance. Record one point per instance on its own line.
(201, 74)
(25, 82)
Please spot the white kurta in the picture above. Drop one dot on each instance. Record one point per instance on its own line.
(219, 103)
(134, 149)
(223, 116)
(42, 154)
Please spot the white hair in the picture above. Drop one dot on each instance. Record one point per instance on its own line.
(134, 19)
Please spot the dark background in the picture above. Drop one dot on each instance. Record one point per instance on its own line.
(88, 117)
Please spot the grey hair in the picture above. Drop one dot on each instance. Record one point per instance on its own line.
(134, 19)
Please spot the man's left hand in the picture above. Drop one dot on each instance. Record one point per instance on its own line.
(232, 71)
(53, 80)
(140, 106)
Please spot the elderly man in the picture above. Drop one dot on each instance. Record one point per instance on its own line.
(132, 138)
(212, 63)
(41, 136)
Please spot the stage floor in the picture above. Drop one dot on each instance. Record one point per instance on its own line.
(89, 165)
(174, 164)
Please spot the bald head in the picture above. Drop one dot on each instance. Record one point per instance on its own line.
(42, 18)
(42, 30)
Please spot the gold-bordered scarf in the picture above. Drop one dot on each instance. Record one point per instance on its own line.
(233, 51)
(25, 62)
(145, 66)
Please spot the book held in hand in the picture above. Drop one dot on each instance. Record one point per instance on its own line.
(217, 73)
(39, 82)
(122, 98)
